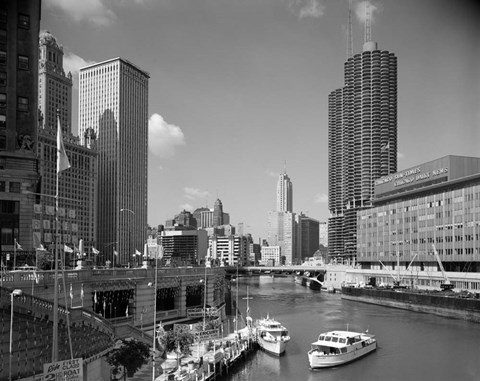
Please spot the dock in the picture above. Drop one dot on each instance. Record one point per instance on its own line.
(211, 359)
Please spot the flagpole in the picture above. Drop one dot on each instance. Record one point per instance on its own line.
(14, 253)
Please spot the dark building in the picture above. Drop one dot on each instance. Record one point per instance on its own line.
(19, 30)
(218, 213)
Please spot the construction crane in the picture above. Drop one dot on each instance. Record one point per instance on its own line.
(446, 285)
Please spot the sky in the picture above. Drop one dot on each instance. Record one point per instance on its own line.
(238, 89)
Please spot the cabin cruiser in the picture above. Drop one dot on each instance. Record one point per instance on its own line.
(272, 336)
(340, 347)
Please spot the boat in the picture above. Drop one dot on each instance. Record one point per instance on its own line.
(272, 336)
(336, 348)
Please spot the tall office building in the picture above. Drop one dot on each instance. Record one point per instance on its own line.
(19, 29)
(77, 185)
(113, 101)
(218, 213)
(284, 193)
(362, 140)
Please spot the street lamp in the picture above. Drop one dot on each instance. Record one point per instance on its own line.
(16, 292)
(128, 227)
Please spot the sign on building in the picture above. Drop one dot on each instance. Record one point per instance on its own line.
(66, 370)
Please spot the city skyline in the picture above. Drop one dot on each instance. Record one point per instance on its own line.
(236, 89)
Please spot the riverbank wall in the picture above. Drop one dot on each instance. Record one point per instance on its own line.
(442, 305)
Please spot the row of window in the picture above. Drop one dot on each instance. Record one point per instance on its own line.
(22, 22)
(13, 186)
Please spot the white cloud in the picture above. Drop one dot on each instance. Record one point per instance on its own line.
(321, 198)
(308, 8)
(194, 193)
(73, 63)
(92, 11)
(187, 207)
(360, 11)
(400, 155)
(163, 138)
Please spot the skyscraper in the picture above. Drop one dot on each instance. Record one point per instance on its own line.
(77, 185)
(284, 193)
(19, 29)
(362, 139)
(113, 101)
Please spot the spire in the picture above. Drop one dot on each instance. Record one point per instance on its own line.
(349, 32)
(368, 23)
(285, 167)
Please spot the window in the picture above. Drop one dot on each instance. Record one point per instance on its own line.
(23, 21)
(3, 121)
(2, 186)
(3, 57)
(14, 187)
(23, 62)
(22, 104)
(3, 15)
(3, 100)
(3, 35)
(3, 78)
(3, 143)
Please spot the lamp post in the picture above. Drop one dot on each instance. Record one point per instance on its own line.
(155, 313)
(128, 227)
(16, 292)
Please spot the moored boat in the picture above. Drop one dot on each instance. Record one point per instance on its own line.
(272, 336)
(340, 347)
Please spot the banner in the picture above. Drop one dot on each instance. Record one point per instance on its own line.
(68, 370)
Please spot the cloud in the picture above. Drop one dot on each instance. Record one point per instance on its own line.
(163, 138)
(92, 11)
(73, 63)
(193, 193)
(187, 207)
(308, 8)
(359, 9)
(400, 155)
(321, 198)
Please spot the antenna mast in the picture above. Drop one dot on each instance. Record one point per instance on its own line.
(349, 32)
(368, 23)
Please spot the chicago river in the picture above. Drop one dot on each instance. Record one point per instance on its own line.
(411, 346)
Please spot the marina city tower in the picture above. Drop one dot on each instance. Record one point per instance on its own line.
(362, 141)
(113, 101)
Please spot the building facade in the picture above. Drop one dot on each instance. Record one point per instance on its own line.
(435, 203)
(78, 184)
(282, 231)
(113, 102)
(19, 30)
(362, 141)
(308, 235)
(183, 247)
(271, 255)
(230, 250)
(284, 194)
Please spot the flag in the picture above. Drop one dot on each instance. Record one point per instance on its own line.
(95, 297)
(62, 158)
(137, 252)
(95, 251)
(82, 293)
(67, 249)
(386, 146)
(71, 292)
(126, 312)
(41, 248)
(35, 276)
(115, 252)
(17, 246)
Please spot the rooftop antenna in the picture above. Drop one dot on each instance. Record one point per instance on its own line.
(349, 32)
(368, 23)
(285, 167)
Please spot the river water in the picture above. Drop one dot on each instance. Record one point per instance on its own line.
(411, 346)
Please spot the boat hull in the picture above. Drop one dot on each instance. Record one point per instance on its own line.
(276, 348)
(318, 361)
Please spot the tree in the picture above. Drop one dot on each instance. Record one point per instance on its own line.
(172, 340)
(131, 355)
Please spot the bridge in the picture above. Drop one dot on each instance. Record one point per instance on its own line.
(267, 270)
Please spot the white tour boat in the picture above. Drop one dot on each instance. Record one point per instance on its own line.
(272, 336)
(340, 347)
